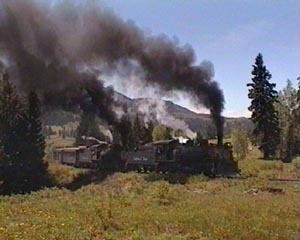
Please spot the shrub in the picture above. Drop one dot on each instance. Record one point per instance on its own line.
(161, 132)
(239, 143)
(62, 174)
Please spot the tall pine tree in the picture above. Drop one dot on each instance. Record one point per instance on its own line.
(35, 135)
(137, 131)
(34, 142)
(125, 130)
(11, 125)
(22, 145)
(149, 130)
(88, 127)
(264, 115)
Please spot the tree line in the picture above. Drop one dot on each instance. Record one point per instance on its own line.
(131, 133)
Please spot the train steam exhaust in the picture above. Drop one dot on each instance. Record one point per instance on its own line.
(61, 50)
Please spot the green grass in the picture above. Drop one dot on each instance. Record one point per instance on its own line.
(254, 166)
(63, 175)
(156, 206)
(134, 206)
(60, 142)
(215, 141)
(56, 142)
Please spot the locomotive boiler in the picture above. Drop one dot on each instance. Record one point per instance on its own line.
(171, 156)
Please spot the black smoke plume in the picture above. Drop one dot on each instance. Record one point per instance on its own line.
(55, 49)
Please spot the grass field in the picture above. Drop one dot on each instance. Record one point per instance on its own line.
(133, 206)
(95, 205)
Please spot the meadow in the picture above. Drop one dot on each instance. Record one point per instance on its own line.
(93, 205)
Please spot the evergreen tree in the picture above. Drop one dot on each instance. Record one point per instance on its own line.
(11, 117)
(21, 142)
(88, 127)
(150, 127)
(64, 132)
(211, 131)
(125, 129)
(198, 138)
(72, 133)
(179, 133)
(34, 145)
(137, 131)
(264, 115)
(146, 132)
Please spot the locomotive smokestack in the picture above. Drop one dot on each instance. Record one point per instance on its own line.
(219, 121)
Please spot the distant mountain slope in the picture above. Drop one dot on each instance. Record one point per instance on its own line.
(165, 109)
(196, 121)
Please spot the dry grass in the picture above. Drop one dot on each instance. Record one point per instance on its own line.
(129, 206)
(158, 207)
(62, 174)
(254, 166)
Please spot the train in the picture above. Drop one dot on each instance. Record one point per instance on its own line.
(159, 156)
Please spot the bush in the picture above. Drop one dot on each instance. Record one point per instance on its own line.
(62, 174)
(239, 143)
(161, 132)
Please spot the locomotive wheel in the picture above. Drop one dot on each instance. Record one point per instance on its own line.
(140, 168)
(126, 168)
(129, 168)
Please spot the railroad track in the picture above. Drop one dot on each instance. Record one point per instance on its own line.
(284, 179)
(270, 179)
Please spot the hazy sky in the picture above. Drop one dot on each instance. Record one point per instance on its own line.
(228, 33)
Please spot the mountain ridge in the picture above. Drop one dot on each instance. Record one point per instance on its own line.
(197, 122)
(161, 111)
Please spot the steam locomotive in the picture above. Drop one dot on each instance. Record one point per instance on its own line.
(160, 156)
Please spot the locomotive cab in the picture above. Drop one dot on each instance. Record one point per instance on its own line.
(165, 155)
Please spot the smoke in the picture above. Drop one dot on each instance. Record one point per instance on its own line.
(33, 47)
(61, 51)
(2, 69)
(157, 109)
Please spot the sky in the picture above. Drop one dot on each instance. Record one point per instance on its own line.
(230, 34)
